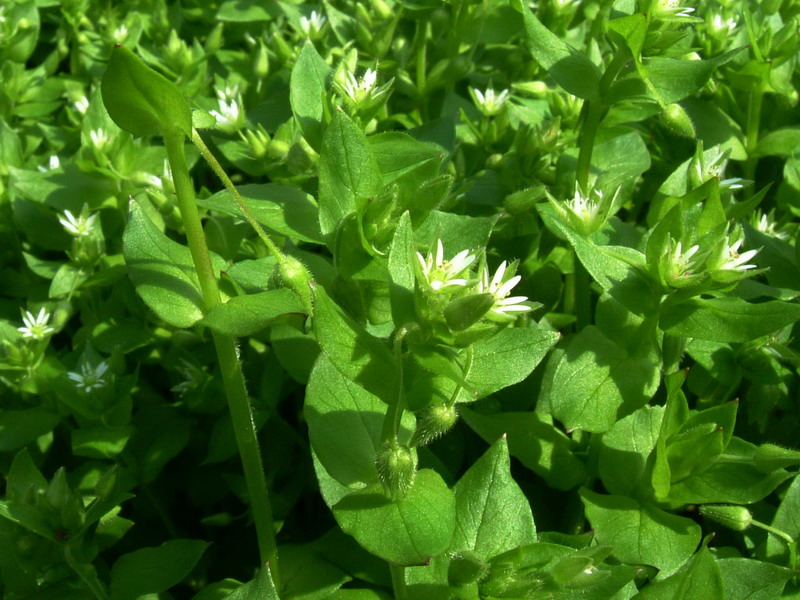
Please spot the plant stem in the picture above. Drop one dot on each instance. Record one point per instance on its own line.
(230, 367)
(753, 124)
(591, 123)
(394, 415)
(226, 181)
(399, 581)
(790, 542)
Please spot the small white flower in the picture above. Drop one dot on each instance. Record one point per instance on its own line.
(504, 307)
(765, 224)
(682, 264)
(80, 226)
(439, 273)
(52, 163)
(670, 9)
(720, 25)
(230, 115)
(193, 378)
(89, 378)
(120, 33)
(585, 208)
(99, 138)
(731, 260)
(312, 25)
(489, 102)
(82, 105)
(37, 327)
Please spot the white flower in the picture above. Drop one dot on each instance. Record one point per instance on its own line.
(721, 26)
(504, 307)
(439, 273)
(731, 260)
(193, 378)
(765, 224)
(489, 102)
(670, 9)
(312, 25)
(682, 264)
(120, 33)
(89, 378)
(35, 327)
(230, 115)
(82, 105)
(99, 138)
(53, 163)
(80, 226)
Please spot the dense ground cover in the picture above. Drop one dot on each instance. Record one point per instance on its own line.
(423, 300)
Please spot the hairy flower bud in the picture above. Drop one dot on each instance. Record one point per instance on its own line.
(737, 518)
(294, 275)
(769, 457)
(466, 568)
(434, 422)
(397, 468)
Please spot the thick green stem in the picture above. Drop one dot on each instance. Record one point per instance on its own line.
(247, 441)
(591, 123)
(184, 190)
(230, 367)
(753, 125)
(394, 415)
(399, 581)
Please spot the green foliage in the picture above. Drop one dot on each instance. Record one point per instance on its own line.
(491, 301)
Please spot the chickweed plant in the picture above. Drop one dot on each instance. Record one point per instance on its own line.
(422, 300)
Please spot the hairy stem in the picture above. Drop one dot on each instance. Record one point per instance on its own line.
(230, 366)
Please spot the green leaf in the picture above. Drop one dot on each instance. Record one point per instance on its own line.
(673, 79)
(408, 531)
(140, 100)
(624, 452)
(598, 382)
(246, 315)
(533, 440)
(344, 424)
(154, 570)
(261, 587)
(508, 357)
(493, 515)
(630, 30)
(401, 273)
(780, 142)
(348, 172)
(32, 518)
(162, 271)
(571, 69)
(281, 209)
(747, 579)
(246, 11)
(306, 575)
(359, 356)
(18, 428)
(398, 153)
(641, 533)
(611, 268)
(727, 319)
(100, 442)
(733, 478)
(307, 90)
(787, 519)
(698, 578)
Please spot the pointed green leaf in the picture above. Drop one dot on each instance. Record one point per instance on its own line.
(154, 570)
(162, 271)
(641, 533)
(245, 315)
(140, 100)
(408, 531)
(698, 578)
(493, 515)
(307, 89)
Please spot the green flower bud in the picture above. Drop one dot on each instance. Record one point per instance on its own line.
(434, 422)
(678, 121)
(737, 518)
(261, 62)
(214, 40)
(769, 457)
(466, 568)
(293, 274)
(397, 469)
